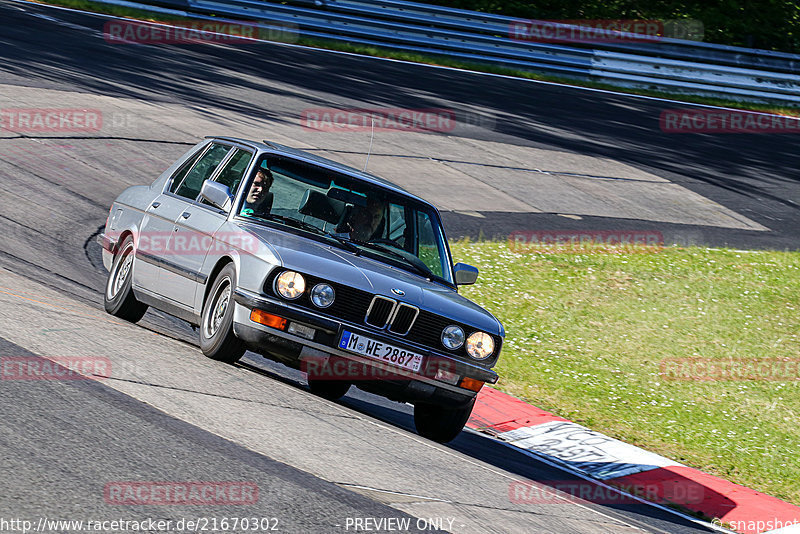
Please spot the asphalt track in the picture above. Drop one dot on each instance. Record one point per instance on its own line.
(58, 453)
(167, 413)
(751, 174)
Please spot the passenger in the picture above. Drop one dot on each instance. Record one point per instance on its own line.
(364, 221)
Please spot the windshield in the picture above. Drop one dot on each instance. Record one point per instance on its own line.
(359, 216)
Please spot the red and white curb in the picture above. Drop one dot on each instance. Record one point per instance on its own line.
(648, 475)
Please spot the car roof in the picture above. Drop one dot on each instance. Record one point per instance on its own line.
(277, 148)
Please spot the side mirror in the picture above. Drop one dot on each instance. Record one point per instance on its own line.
(216, 194)
(465, 274)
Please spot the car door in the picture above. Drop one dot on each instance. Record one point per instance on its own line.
(156, 229)
(195, 227)
(161, 226)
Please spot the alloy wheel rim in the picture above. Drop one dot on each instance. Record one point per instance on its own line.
(121, 274)
(217, 309)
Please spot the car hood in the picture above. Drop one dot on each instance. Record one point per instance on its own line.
(338, 265)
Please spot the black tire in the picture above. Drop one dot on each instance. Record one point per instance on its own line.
(329, 389)
(118, 297)
(441, 424)
(217, 340)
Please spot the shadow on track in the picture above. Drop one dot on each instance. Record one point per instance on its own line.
(751, 173)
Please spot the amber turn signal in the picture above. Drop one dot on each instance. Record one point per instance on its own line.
(267, 319)
(471, 384)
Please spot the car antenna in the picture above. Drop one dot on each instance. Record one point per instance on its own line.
(371, 139)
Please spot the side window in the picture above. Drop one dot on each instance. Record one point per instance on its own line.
(397, 224)
(428, 244)
(233, 171)
(180, 174)
(204, 168)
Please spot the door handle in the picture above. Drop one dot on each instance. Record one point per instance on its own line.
(155, 204)
(186, 214)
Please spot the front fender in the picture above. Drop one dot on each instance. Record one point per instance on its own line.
(252, 258)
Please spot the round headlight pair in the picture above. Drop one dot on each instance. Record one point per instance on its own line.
(480, 345)
(291, 285)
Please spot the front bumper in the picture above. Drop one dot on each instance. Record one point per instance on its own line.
(388, 380)
(108, 243)
(109, 246)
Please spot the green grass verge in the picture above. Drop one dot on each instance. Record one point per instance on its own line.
(445, 61)
(587, 334)
(117, 11)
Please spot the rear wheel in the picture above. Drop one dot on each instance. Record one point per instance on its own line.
(329, 389)
(217, 340)
(441, 424)
(118, 299)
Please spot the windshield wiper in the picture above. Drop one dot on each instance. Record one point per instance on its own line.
(420, 267)
(291, 222)
(312, 228)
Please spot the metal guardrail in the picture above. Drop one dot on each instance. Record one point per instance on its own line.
(671, 64)
(672, 48)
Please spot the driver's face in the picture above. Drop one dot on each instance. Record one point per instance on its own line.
(258, 189)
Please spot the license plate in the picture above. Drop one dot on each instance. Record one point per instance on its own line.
(378, 350)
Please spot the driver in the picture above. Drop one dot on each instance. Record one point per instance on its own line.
(259, 198)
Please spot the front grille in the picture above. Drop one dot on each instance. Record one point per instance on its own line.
(350, 304)
(428, 328)
(403, 318)
(379, 311)
(386, 313)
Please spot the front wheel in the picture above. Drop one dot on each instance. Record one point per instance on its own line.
(441, 424)
(217, 340)
(118, 298)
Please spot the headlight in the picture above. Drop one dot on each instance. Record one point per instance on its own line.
(322, 295)
(452, 337)
(480, 345)
(290, 285)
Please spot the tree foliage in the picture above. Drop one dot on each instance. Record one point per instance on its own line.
(767, 24)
